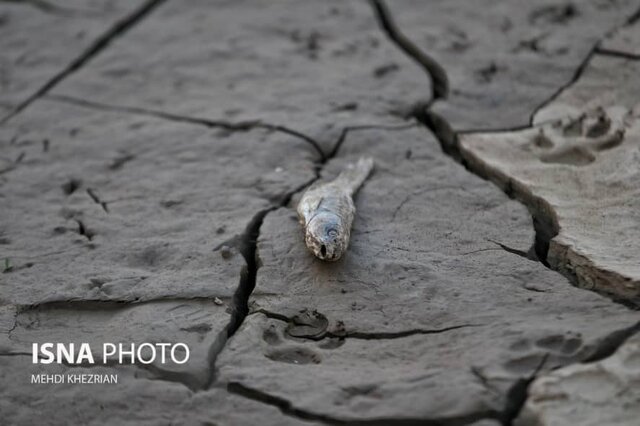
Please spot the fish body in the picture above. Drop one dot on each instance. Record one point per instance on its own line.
(326, 211)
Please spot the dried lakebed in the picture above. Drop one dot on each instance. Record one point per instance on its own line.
(184, 128)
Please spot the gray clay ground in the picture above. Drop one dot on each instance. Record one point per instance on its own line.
(152, 152)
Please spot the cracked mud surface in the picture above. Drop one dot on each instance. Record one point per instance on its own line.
(604, 392)
(582, 170)
(34, 58)
(506, 58)
(153, 152)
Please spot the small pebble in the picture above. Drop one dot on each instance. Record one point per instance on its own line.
(217, 301)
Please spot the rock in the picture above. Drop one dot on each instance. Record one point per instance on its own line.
(578, 168)
(600, 393)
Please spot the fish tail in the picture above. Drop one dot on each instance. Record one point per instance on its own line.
(354, 175)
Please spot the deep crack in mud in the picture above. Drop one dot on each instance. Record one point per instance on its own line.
(287, 408)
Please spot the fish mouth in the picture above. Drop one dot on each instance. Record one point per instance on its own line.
(325, 255)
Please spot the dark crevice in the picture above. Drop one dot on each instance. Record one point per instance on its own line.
(339, 142)
(361, 335)
(517, 395)
(518, 392)
(526, 255)
(337, 145)
(84, 231)
(7, 169)
(618, 54)
(635, 17)
(282, 404)
(442, 130)
(576, 75)
(97, 200)
(116, 31)
(382, 335)
(484, 380)
(101, 304)
(272, 315)
(120, 161)
(71, 186)
(287, 408)
(283, 129)
(13, 164)
(223, 124)
(15, 354)
(246, 244)
(545, 225)
(610, 343)
(15, 323)
(516, 128)
(439, 79)
(237, 126)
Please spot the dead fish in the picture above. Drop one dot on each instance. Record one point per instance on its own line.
(326, 211)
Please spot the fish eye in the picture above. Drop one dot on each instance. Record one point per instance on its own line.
(332, 232)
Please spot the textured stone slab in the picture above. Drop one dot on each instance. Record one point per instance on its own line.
(134, 400)
(39, 40)
(123, 207)
(425, 317)
(582, 173)
(600, 393)
(310, 65)
(505, 58)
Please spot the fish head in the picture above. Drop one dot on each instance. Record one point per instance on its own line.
(325, 236)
